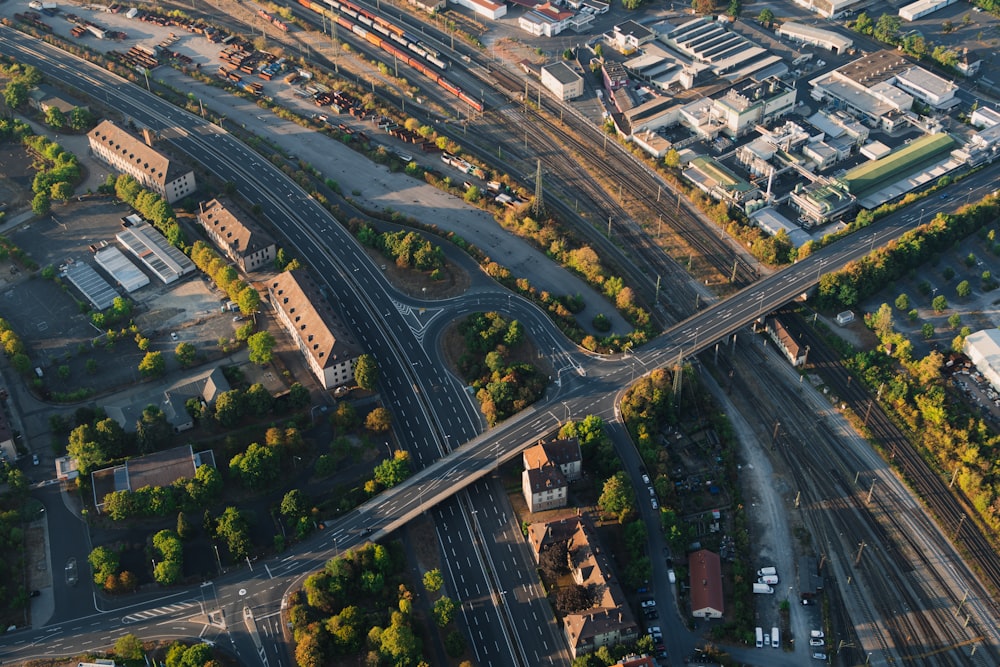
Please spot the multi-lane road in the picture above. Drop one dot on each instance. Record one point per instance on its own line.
(434, 415)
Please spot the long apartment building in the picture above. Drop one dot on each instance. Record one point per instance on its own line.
(130, 155)
(246, 245)
(310, 320)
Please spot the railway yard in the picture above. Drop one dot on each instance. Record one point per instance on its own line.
(901, 582)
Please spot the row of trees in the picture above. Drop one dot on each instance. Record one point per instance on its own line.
(150, 205)
(887, 29)
(225, 277)
(503, 387)
(867, 276)
(14, 348)
(151, 501)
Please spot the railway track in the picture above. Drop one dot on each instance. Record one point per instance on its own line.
(907, 603)
(636, 181)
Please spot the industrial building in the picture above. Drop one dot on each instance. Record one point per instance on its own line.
(807, 34)
(922, 8)
(983, 349)
(546, 20)
(121, 270)
(826, 8)
(728, 54)
(718, 182)
(319, 333)
(129, 155)
(928, 88)
(484, 8)
(864, 86)
(90, 283)
(564, 83)
(741, 109)
(821, 202)
(152, 249)
(898, 164)
(629, 36)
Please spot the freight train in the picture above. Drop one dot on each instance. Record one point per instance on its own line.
(382, 33)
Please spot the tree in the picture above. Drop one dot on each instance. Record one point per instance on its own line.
(41, 203)
(903, 302)
(248, 301)
(129, 647)
(766, 17)
(573, 598)
(734, 9)
(229, 407)
(881, 321)
(703, 6)
(927, 330)
(672, 160)
(258, 400)
(444, 611)
(954, 320)
(15, 94)
(391, 472)
(298, 396)
(261, 346)
(433, 580)
(80, 118)
(366, 372)
(378, 420)
(61, 191)
(295, 504)
(233, 527)
(863, 24)
(257, 467)
(617, 497)
(185, 529)
(940, 303)
(963, 289)
(104, 562)
(152, 430)
(55, 118)
(84, 449)
(887, 29)
(554, 561)
(153, 365)
(185, 353)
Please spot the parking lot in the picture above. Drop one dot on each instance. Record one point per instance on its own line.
(57, 331)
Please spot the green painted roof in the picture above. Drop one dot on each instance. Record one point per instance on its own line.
(897, 164)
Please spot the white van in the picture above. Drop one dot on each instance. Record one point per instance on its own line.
(775, 638)
(769, 579)
(760, 638)
(765, 571)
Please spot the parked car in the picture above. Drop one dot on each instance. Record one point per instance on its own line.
(174, 336)
(645, 478)
(34, 594)
(819, 656)
(817, 642)
(34, 459)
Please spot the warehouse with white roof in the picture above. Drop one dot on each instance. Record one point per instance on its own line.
(121, 270)
(807, 34)
(983, 349)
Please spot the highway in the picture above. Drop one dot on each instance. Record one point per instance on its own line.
(433, 412)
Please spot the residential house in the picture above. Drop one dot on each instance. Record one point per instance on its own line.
(610, 620)
(548, 469)
(795, 353)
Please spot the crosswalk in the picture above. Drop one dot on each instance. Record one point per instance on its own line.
(158, 611)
